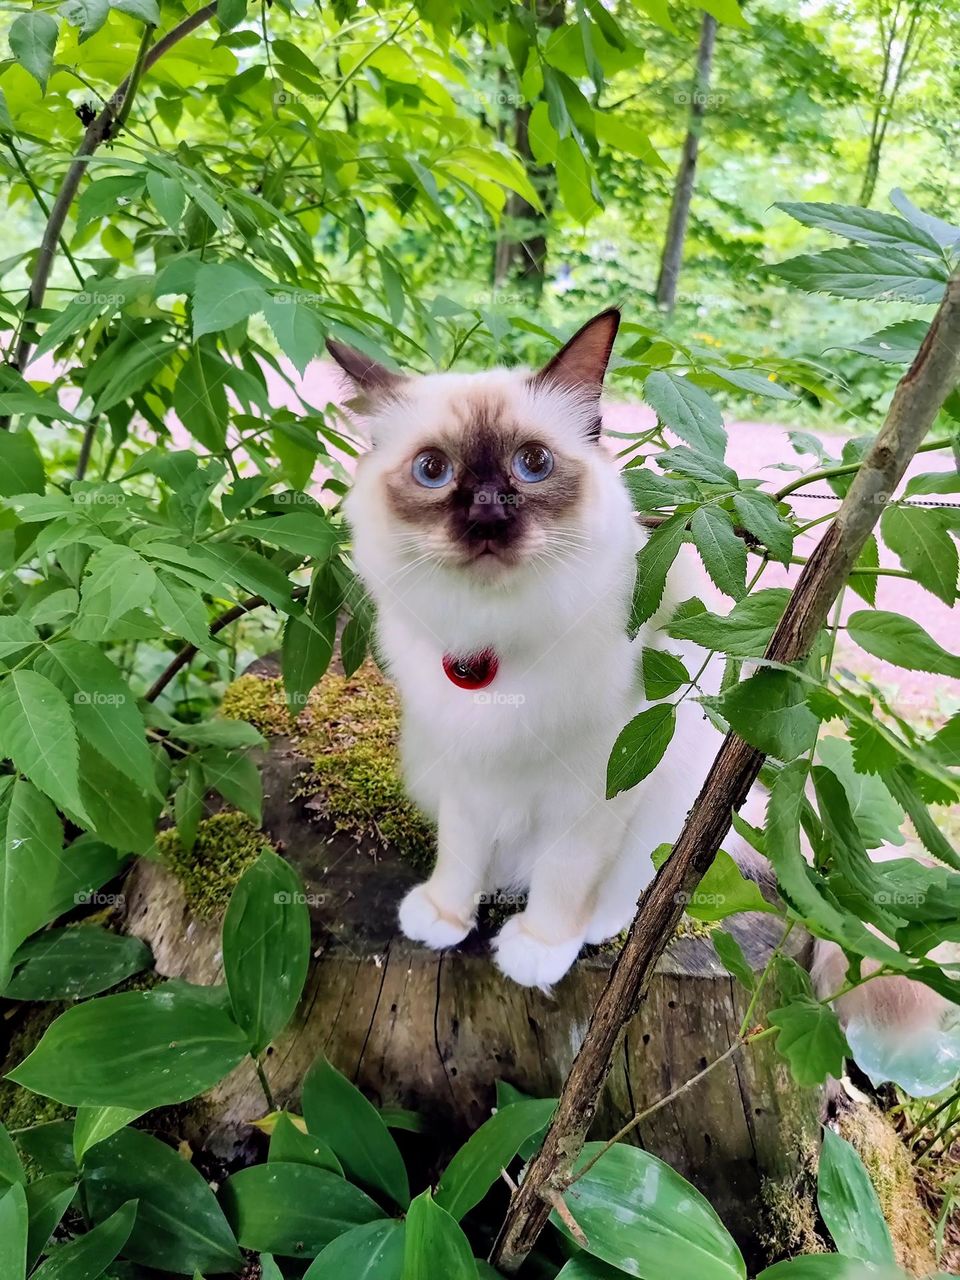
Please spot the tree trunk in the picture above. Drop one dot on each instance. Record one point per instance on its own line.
(433, 1031)
(666, 293)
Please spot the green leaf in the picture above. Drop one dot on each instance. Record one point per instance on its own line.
(89, 1255)
(13, 1233)
(297, 328)
(663, 674)
(902, 641)
(104, 707)
(337, 1111)
(48, 1199)
(188, 805)
(723, 891)
(831, 1266)
(758, 514)
(146, 10)
(289, 1145)
(867, 226)
(731, 956)
(724, 555)
(33, 38)
(21, 467)
(254, 573)
(94, 1124)
(139, 1049)
(31, 865)
(477, 1165)
(11, 1168)
(237, 778)
(810, 1039)
(16, 633)
(891, 275)
(179, 1226)
(669, 1229)
(293, 1210)
(640, 747)
(200, 397)
(434, 1244)
(895, 344)
(88, 15)
(266, 948)
(305, 532)
(38, 734)
(116, 579)
(653, 564)
(877, 815)
(744, 632)
(920, 538)
(687, 410)
(225, 293)
(73, 963)
(698, 466)
(373, 1251)
(769, 711)
(849, 1205)
(308, 641)
(168, 196)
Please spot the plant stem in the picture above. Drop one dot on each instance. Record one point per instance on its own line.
(264, 1084)
(846, 469)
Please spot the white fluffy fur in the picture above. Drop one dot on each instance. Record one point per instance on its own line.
(515, 774)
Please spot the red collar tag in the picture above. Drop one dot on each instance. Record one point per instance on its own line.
(475, 671)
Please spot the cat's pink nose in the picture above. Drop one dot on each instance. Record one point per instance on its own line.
(489, 506)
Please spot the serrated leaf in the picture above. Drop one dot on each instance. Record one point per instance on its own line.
(921, 540)
(744, 632)
(640, 747)
(866, 226)
(663, 674)
(769, 710)
(38, 734)
(758, 514)
(896, 344)
(731, 956)
(33, 39)
(21, 467)
(687, 410)
(723, 553)
(890, 275)
(225, 293)
(698, 466)
(653, 564)
(810, 1039)
(900, 640)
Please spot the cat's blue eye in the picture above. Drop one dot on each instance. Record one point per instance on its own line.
(532, 462)
(432, 469)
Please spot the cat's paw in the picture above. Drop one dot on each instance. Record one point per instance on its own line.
(530, 961)
(423, 921)
(605, 925)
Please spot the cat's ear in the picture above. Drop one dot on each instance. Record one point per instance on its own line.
(368, 376)
(582, 363)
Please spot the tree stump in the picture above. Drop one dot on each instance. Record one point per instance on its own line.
(433, 1031)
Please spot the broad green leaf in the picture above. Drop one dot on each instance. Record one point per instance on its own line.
(831, 1266)
(11, 1168)
(297, 328)
(48, 1199)
(583, 1267)
(920, 538)
(724, 891)
(373, 1251)
(225, 293)
(867, 226)
(337, 1111)
(758, 514)
(21, 467)
(876, 813)
(933, 482)
(902, 641)
(200, 397)
(697, 466)
(687, 410)
(849, 1205)
(253, 572)
(293, 1210)
(642, 1217)
(810, 1039)
(16, 633)
(139, 1049)
(94, 1124)
(235, 775)
(769, 711)
(33, 38)
(116, 580)
(648, 491)
(88, 1256)
(653, 564)
(477, 1165)
(266, 948)
(13, 1233)
(723, 553)
(640, 747)
(731, 956)
(38, 734)
(179, 1226)
(290, 1145)
(890, 275)
(73, 963)
(744, 632)
(663, 674)
(896, 344)
(219, 732)
(168, 196)
(88, 15)
(304, 532)
(434, 1244)
(31, 866)
(104, 707)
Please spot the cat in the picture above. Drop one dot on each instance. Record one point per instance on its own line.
(498, 542)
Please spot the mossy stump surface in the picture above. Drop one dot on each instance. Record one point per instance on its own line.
(433, 1031)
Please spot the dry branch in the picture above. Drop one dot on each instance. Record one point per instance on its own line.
(918, 398)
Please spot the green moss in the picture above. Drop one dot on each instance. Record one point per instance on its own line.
(260, 702)
(19, 1108)
(227, 844)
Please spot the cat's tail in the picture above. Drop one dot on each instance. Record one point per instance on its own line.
(897, 1029)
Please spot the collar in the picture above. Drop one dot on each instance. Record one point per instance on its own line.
(475, 671)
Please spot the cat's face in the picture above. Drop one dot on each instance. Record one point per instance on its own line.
(482, 473)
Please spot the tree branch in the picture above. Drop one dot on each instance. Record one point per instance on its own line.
(113, 113)
(917, 399)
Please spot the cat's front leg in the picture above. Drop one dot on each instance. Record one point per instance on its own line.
(538, 946)
(442, 911)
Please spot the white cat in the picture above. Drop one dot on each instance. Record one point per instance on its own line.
(492, 530)
(498, 541)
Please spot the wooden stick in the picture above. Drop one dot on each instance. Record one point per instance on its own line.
(916, 401)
